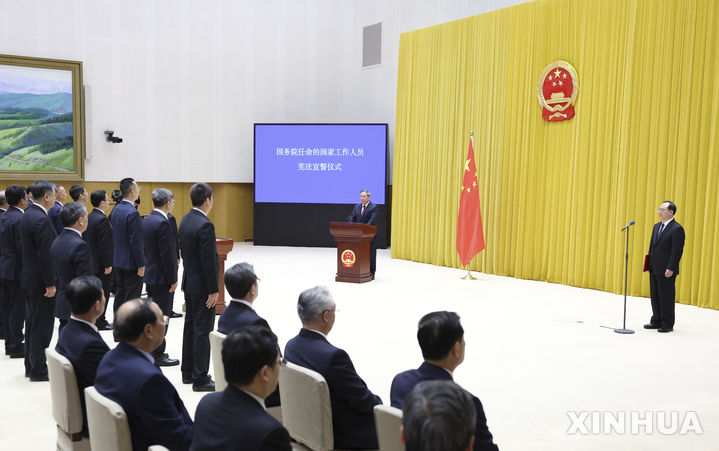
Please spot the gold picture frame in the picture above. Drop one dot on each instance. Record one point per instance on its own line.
(39, 137)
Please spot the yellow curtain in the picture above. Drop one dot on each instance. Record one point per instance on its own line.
(554, 195)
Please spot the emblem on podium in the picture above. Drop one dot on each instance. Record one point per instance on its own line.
(557, 91)
(348, 258)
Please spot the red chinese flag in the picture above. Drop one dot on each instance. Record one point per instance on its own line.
(470, 234)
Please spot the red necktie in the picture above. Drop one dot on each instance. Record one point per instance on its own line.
(363, 206)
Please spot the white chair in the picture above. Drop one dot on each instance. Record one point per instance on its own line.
(306, 408)
(388, 420)
(66, 405)
(109, 430)
(216, 340)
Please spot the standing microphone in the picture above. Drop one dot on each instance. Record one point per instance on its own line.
(631, 223)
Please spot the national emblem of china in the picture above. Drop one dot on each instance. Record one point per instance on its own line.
(557, 91)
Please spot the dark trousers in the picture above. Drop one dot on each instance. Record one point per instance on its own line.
(106, 282)
(13, 315)
(662, 291)
(161, 295)
(199, 322)
(129, 286)
(39, 323)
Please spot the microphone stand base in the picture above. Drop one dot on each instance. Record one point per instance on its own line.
(624, 331)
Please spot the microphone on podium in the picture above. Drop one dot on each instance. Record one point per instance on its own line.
(631, 223)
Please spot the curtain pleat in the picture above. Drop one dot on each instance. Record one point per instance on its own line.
(554, 195)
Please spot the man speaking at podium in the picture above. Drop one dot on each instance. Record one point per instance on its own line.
(366, 213)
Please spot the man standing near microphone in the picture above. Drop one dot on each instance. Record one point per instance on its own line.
(665, 248)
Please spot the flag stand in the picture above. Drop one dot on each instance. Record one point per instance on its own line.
(469, 275)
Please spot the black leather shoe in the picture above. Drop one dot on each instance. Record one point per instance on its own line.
(665, 329)
(107, 326)
(650, 326)
(165, 360)
(208, 386)
(175, 315)
(39, 379)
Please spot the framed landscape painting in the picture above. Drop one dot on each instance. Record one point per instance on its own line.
(42, 130)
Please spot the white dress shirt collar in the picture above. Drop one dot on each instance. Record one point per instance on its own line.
(161, 212)
(242, 301)
(318, 332)
(86, 322)
(74, 230)
(195, 208)
(256, 398)
(43, 208)
(670, 220)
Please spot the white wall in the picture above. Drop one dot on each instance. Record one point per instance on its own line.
(183, 81)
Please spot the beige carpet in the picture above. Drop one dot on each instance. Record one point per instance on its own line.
(542, 357)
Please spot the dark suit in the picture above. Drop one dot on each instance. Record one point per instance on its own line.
(405, 381)
(233, 420)
(3, 302)
(173, 229)
(666, 250)
(36, 274)
(71, 258)
(155, 412)
(84, 348)
(200, 278)
(128, 253)
(161, 263)
(10, 264)
(99, 237)
(368, 217)
(352, 402)
(54, 215)
(237, 315)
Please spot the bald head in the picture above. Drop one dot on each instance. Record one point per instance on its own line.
(139, 323)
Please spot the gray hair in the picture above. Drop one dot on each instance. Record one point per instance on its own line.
(161, 196)
(71, 212)
(313, 302)
(367, 192)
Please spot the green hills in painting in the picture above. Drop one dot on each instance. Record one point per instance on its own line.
(36, 132)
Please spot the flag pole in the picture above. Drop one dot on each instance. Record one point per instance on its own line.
(469, 275)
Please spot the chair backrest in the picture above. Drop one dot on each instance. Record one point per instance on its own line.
(107, 421)
(388, 420)
(216, 340)
(306, 408)
(66, 405)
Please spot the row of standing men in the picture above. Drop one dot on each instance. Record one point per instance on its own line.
(44, 245)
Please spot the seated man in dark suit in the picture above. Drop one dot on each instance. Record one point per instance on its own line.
(241, 283)
(441, 338)
(128, 376)
(80, 340)
(70, 255)
(438, 415)
(352, 402)
(236, 419)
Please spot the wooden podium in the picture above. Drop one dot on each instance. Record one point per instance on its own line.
(353, 250)
(224, 247)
